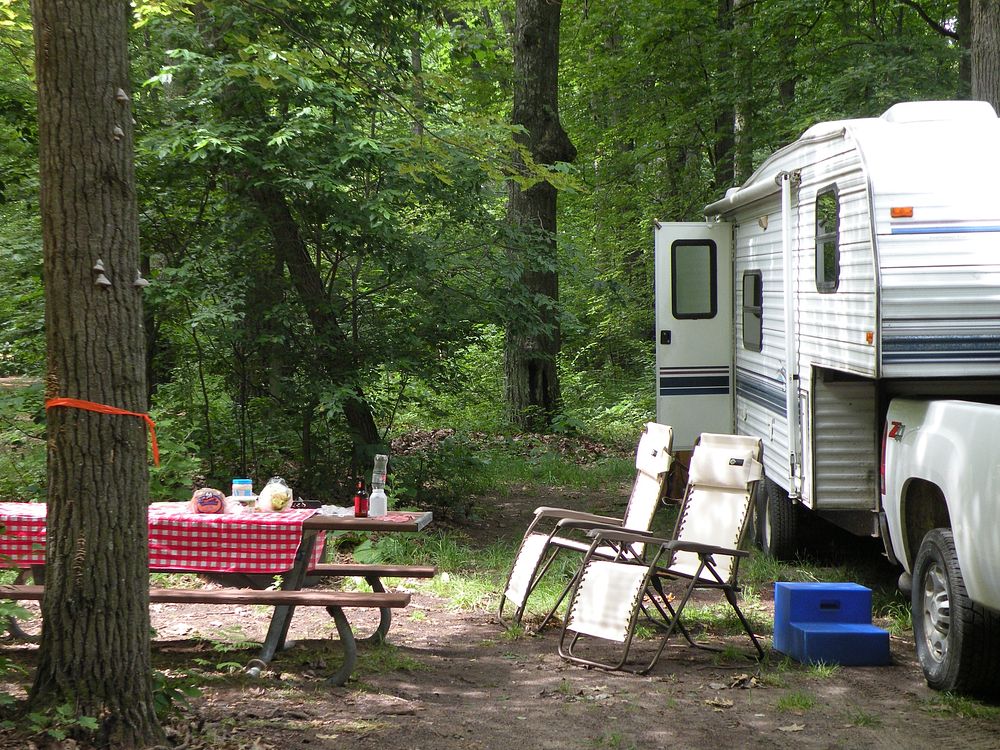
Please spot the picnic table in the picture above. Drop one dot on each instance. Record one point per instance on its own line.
(243, 551)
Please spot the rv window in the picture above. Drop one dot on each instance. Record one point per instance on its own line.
(753, 308)
(827, 241)
(692, 279)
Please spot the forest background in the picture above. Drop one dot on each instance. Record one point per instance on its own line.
(323, 192)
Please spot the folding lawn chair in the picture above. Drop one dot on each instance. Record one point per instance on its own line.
(609, 594)
(566, 527)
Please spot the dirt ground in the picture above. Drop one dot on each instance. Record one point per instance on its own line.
(455, 679)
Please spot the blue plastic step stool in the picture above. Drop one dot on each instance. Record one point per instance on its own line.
(828, 622)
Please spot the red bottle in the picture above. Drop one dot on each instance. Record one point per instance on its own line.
(360, 501)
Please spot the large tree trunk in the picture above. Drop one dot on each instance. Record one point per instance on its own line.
(530, 349)
(94, 652)
(986, 51)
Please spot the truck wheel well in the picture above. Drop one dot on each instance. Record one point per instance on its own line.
(924, 508)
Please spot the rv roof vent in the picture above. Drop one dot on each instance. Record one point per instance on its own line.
(939, 111)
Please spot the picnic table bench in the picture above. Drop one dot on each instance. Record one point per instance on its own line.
(334, 601)
(250, 586)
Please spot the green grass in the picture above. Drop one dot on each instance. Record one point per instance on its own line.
(822, 670)
(963, 706)
(860, 718)
(892, 611)
(795, 702)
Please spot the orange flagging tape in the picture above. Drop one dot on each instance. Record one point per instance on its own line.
(76, 403)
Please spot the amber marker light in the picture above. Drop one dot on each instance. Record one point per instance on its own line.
(901, 212)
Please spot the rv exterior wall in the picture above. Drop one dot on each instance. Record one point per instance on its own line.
(915, 298)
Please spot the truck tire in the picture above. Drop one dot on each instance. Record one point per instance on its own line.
(777, 522)
(957, 640)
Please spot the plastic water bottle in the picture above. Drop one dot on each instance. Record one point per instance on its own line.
(378, 504)
(378, 473)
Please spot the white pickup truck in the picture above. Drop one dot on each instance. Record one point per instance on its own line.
(941, 500)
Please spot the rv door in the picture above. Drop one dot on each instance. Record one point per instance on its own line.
(694, 329)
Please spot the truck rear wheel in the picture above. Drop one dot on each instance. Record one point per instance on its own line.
(777, 521)
(957, 640)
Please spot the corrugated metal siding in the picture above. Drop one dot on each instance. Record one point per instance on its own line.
(845, 446)
(834, 327)
(941, 304)
(760, 387)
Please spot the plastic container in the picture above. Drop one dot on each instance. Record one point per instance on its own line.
(378, 503)
(378, 473)
(242, 488)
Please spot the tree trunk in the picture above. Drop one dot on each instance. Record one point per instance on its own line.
(94, 653)
(964, 29)
(308, 283)
(531, 388)
(743, 125)
(986, 52)
(724, 147)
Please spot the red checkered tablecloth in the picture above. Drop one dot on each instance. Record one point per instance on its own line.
(180, 539)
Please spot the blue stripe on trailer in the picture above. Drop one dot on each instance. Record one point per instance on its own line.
(694, 381)
(941, 348)
(762, 394)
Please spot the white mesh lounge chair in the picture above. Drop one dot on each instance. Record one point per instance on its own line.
(556, 529)
(609, 595)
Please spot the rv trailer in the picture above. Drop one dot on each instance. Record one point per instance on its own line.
(844, 306)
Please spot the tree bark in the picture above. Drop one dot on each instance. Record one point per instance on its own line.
(308, 283)
(986, 52)
(724, 147)
(964, 29)
(531, 385)
(94, 653)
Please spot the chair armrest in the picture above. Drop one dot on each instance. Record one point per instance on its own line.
(588, 524)
(575, 515)
(708, 549)
(626, 535)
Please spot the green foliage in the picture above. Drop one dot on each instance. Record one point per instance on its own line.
(60, 722)
(22, 441)
(172, 694)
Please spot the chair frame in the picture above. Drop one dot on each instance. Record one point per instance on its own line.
(651, 588)
(568, 521)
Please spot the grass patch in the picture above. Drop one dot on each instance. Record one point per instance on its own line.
(721, 619)
(822, 670)
(893, 612)
(613, 741)
(963, 706)
(795, 702)
(860, 718)
(385, 657)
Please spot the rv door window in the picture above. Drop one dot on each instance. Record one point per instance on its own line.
(753, 309)
(827, 241)
(693, 279)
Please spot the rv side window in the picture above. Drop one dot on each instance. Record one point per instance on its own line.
(692, 279)
(827, 241)
(753, 308)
